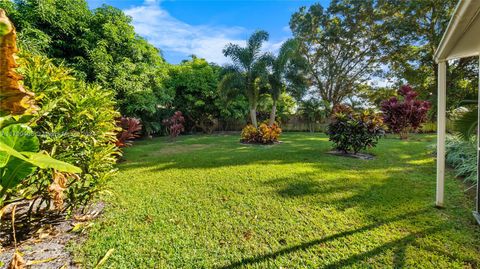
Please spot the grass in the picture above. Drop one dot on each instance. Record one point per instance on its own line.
(210, 202)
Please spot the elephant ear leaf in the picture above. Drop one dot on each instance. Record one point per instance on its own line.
(44, 162)
(14, 166)
(14, 139)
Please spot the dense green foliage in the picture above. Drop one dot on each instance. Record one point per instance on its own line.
(210, 202)
(313, 111)
(102, 47)
(352, 131)
(76, 124)
(195, 83)
(19, 158)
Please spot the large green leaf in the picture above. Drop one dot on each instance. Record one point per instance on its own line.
(17, 137)
(15, 166)
(15, 172)
(19, 156)
(44, 161)
(7, 152)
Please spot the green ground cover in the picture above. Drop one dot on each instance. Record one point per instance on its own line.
(211, 202)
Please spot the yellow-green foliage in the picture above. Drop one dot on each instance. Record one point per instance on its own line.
(265, 134)
(76, 124)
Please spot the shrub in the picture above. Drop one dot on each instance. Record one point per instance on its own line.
(130, 130)
(354, 131)
(20, 154)
(405, 114)
(249, 134)
(76, 124)
(19, 158)
(175, 124)
(263, 135)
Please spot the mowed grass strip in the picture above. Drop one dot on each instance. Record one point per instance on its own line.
(211, 202)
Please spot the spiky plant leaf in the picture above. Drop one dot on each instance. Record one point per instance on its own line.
(466, 124)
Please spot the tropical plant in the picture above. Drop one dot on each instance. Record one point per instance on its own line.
(405, 114)
(283, 70)
(19, 145)
(354, 131)
(466, 124)
(20, 158)
(247, 72)
(249, 134)
(130, 128)
(76, 124)
(285, 107)
(175, 124)
(264, 134)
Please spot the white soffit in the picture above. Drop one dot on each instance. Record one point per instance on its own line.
(462, 37)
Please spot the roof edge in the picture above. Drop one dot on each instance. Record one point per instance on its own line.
(459, 11)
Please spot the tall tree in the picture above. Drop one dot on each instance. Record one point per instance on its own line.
(341, 45)
(415, 29)
(247, 72)
(284, 70)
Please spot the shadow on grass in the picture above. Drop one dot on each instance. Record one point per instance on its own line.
(227, 152)
(401, 189)
(398, 245)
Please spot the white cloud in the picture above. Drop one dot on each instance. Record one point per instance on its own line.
(172, 35)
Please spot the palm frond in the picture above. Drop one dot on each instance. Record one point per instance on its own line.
(254, 43)
(466, 124)
(231, 85)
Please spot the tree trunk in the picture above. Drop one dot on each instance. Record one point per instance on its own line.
(253, 117)
(273, 113)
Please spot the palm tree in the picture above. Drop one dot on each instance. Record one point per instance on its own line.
(284, 71)
(248, 71)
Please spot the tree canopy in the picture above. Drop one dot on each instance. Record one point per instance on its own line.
(342, 45)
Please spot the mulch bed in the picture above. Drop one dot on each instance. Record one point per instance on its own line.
(42, 238)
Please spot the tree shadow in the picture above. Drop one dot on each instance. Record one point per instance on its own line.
(394, 195)
(352, 259)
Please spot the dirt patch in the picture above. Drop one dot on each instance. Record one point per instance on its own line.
(42, 238)
(362, 156)
(176, 149)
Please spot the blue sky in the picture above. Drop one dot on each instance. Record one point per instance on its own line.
(203, 27)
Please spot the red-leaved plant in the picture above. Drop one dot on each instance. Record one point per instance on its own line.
(175, 124)
(405, 114)
(131, 128)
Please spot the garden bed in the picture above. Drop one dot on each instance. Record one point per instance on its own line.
(43, 239)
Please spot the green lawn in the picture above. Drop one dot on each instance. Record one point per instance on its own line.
(211, 202)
